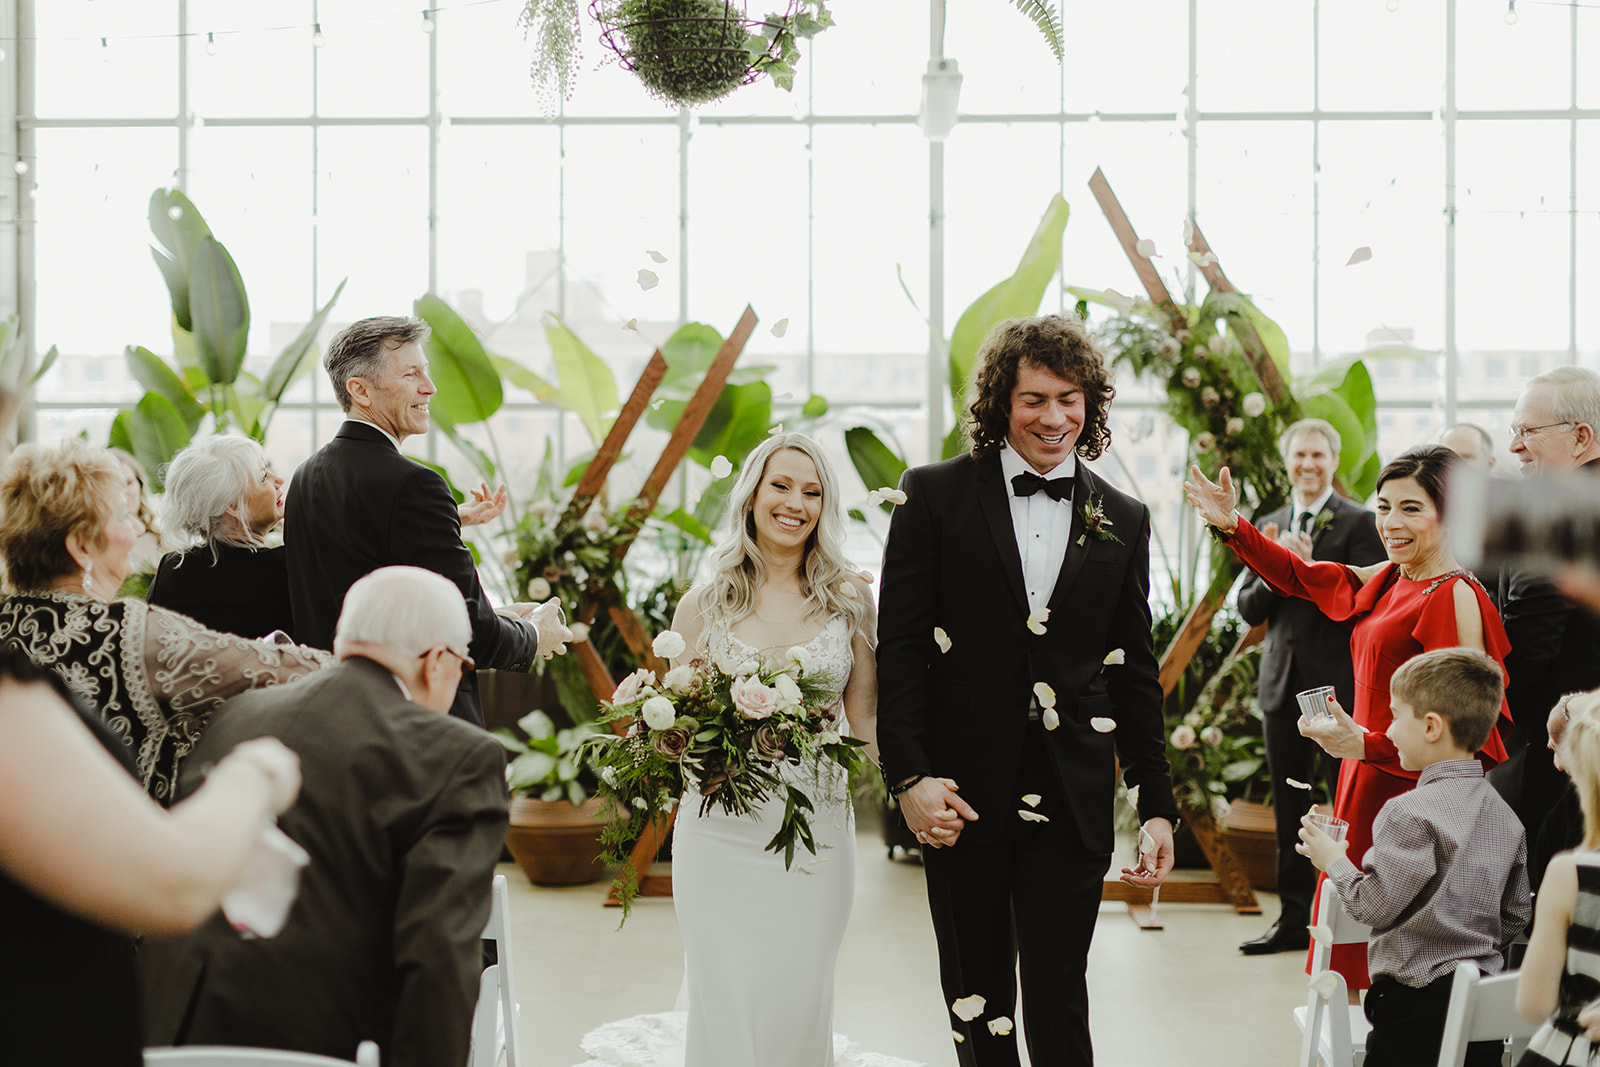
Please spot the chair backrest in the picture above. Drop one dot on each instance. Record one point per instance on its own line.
(1327, 1006)
(227, 1056)
(494, 1025)
(1481, 1009)
(1345, 930)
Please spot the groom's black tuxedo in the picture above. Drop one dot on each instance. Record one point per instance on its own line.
(952, 562)
(356, 505)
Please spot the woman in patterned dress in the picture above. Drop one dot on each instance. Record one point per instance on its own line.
(152, 675)
(1560, 983)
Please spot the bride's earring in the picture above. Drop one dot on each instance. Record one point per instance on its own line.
(88, 576)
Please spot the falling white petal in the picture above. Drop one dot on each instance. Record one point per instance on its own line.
(784, 396)
(1102, 724)
(874, 498)
(1146, 248)
(1050, 718)
(941, 639)
(848, 588)
(960, 1037)
(1324, 983)
(549, 321)
(776, 430)
(1037, 619)
(1298, 784)
(1122, 303)
(968, 1008)
(893, 496)
(721, 467)
(1202, 259)
(1360, 255)
(1147, 843)
(648, 279)
(1322, 935)
(1031, 799)
(631, 324)
(655, 405)
(1045, 695)
(1114, 657)
(1188, 232)
(1133, 797)
(656, 256)
(780, 327)
(1000, 1027)
(1032, 816)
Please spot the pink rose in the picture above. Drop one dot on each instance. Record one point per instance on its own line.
(628, 689)
(754, 700)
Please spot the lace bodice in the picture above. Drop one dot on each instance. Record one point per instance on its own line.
(154, 676)
(832, 658)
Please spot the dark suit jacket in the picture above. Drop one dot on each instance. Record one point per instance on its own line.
(244, 592)
(1299, 635)
(403, 811)
(964, 714)
(356, 505)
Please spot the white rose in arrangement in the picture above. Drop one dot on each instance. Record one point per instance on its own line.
(669, 644)
(679, 679)
(788, 691)
(1204, 442)
(594, 521)
(1253, 404)
(749, 666)
(1211, 735)
(801, 657)
(1183, 736)
(659, 713)
(828, 737)
(629, 688)
(539, 589)
(541, 509)
(1235, 426)
(1191, 377)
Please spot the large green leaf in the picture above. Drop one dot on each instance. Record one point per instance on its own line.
(523, 378)
(468, 384)
(152, 372)
(243, 401)
(689, 524)
(221, 311)
(1271, 334)
(48, 361)
(587, 384)
(293, 361)
(738, 422)
(1353, 439)
(1019, 295)
(689, 353)
(482, 465)
(874, 461)
(178, 225)
(155, 431)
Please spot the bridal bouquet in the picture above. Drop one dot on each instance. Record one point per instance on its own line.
(728, 728)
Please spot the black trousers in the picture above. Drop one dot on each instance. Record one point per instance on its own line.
(1027, 903)
(1291, 756)
(1408, 1025)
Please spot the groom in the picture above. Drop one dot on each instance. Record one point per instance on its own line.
(1015, 669)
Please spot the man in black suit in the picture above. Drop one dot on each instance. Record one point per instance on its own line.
(1015, 668)
(1555, 648)
(1304, 650)
(403, 812)
(357, 504)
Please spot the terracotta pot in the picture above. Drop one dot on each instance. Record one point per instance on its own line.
(1253, 837)
(555, 843)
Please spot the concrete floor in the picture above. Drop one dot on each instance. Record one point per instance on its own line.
(1179, 995)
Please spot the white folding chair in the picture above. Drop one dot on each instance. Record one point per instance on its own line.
(225, 1056)
(1332, 1029)
(494, 1022)
(1482, 1009)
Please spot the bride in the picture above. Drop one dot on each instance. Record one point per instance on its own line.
(760, 941)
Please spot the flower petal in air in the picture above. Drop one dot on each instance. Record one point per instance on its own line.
(968, 1008)
(1146, 247)
(1147, 843)
(1000, 1027)
(958, 1035)
(893, 496)
(1188, 232)
(549, 321)
(780, 327)
(1202, 259)
(874, 498)
(1037, 619)
(1045, 695)
(1296, 783)
(1050, 718)
(1031, 799)
(655, 256)
(1360, 255)
(1032, 816)
(631, 324)
(721, 467)
(1133, 797)
(1103, 725)
(1122, 303)
(848, 588)
(1115, 657)
(941, 639)
(1324, 983)
(776, 430)
(655, 405)
(1322, 935)
(648, 279)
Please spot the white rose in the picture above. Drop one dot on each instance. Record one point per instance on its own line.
(1211, 735)
(828, 737)
(1204, 443)
(668, 644)
(1191, 377)
(788, 691)
(1253, 404)
(1219, 344)
(594, 521)
(539, 589)
(1235, 426)
(679, 679)
(749, 666)
(801, 657)
(1183, 736)
(659, 713)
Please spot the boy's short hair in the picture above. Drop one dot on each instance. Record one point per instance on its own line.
(1462, 686)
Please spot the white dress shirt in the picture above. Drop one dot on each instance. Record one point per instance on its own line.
(1315, 508)
(392, 438)
(1041, 525)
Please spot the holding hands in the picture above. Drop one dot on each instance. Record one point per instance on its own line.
(1340, 736)
(1217, 502)
(934, 813)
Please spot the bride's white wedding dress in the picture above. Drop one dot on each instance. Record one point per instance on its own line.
(759, 941)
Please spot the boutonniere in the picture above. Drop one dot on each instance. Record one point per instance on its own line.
(1095, 521)
(1323, 520)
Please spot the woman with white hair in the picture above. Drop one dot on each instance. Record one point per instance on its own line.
(760, 941)
(222, 500)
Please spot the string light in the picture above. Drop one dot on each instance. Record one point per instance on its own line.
(211, 45)
(1511, 12)
(427, 21)
(317, 40)
(20, 166)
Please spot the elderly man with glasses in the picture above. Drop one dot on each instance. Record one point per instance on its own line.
(1555, 648)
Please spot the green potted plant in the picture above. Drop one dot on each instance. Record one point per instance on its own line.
(555, 821)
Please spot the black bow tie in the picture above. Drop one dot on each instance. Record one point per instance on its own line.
(1028, 483)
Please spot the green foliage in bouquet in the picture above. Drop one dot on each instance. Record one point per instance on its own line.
(731, 729)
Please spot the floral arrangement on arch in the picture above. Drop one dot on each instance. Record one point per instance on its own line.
(731, 728)
(1216, 748)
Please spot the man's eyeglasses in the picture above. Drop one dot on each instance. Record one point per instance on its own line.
(467, 666)
(1522, 433)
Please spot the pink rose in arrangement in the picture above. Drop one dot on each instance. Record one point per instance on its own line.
(754, 700)
(629, 688)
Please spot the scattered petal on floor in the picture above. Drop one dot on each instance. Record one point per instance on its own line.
(655, 405)
(780, 327)
(1032, 799)
(648, 279)
(1000, 1027)
(1360, 255)
(656, 256)
(968, 1008)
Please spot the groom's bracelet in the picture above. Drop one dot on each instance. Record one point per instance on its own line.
(896, 790)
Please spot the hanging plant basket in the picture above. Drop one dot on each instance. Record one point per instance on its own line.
(691, 52)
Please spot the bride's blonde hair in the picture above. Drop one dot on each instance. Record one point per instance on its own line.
(739, 568)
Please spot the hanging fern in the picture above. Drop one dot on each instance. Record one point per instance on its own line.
(1042, 14)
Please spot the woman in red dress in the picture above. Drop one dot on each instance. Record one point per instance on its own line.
(1419, 600)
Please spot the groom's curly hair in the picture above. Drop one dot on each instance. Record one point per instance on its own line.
(1055, 343)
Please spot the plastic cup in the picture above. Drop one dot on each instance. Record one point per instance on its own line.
(1314, 703)
(1334, 828)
